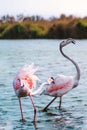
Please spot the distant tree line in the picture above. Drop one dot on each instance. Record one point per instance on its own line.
(36, 27)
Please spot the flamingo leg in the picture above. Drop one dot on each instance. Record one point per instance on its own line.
(60, 103)
(49, 104)
(33, 107)
(21, 110)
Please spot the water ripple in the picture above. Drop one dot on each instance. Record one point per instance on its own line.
(47, 57)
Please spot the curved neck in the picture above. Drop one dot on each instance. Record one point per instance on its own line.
(75, 64)
(39, 90)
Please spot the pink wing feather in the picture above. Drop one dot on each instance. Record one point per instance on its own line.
(61, 86)
(26, 76)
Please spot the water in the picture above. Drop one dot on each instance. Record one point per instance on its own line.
(46, 55)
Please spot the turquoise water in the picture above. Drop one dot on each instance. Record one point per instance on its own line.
(46, 55)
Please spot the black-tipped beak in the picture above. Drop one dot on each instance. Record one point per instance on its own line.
(73, 42)
(22, 86)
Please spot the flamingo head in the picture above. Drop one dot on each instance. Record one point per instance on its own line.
(17, 84)
(50, 80)
(68, 41)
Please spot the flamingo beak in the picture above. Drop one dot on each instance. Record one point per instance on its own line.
(22, 86)
(73, 42)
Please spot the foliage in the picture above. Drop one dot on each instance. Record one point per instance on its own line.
(37, 27)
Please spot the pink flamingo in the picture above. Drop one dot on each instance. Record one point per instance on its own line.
(61, 84)
(23, 85)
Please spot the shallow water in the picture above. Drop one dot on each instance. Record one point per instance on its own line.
(46, 55)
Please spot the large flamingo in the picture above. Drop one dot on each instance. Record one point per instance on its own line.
(23, 85)
(61, 84)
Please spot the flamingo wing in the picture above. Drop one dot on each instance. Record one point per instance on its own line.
(25, 80)
(27, 76)
(62, 85)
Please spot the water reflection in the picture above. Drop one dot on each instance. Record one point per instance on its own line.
(60, 119)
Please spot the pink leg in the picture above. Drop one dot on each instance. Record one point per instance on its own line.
(33, 107)
(49, 104)
(60, 103)
(21, 110)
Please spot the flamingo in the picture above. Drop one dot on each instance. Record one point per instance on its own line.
(23, 85)
(61, 84)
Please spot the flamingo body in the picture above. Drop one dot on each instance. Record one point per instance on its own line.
(25, 80)
(62, 84)
(24, 83)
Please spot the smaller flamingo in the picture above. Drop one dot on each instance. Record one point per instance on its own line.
(61, 84)
(23, 85)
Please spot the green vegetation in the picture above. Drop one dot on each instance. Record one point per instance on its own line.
(37, 27)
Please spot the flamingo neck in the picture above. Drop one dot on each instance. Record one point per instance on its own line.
(77, 77)
(39, 90)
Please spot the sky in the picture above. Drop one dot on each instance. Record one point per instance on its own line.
(44, 8)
